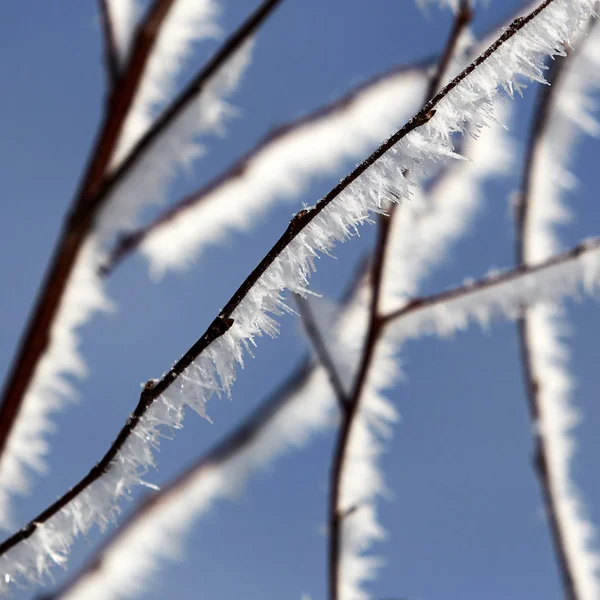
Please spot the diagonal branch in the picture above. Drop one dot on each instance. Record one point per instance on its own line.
(111, 54)
(131, 242)
(315, 335)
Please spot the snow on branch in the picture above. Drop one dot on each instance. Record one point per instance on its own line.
(303, 407)
(506, 294)
(563, 113)
(188, 21)
(210, 364)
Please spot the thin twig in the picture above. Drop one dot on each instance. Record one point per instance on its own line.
(316, 338)
(374, 329)
(541, 460)
(487, 283)
(77, 226)
(224, 321)
(111, 52)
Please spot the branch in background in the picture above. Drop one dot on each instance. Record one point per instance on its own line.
(317, 335)
(178, 235)
(560, 111)
(337, 512)
(423, 141)
(507, 293)
(532, 386)
(111, 52)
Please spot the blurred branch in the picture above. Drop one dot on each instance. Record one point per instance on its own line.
(111, 54)
(541, 460)
(130, 242)
(488, 283)
(315, 335)
(78, 224)
(374, 328)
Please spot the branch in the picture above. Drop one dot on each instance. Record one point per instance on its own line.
(316, 338)
(534, 231)
(532, 386)
(111, 54)
(240, 174)
(77, 227)
(556, 269)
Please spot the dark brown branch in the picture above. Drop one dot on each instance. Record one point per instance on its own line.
(224, 320)
(111, 52)
(318, 343)
(78, 224)
(533, 387)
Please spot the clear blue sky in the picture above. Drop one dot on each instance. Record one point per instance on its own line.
(466, 520)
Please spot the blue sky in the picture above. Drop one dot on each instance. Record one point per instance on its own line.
(465, 518)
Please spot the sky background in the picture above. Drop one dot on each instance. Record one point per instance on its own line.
(465, 518)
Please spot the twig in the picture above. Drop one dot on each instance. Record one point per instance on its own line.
(111, 53)
(316, 338)
(77, 226)
(487, 283)
(224, 321)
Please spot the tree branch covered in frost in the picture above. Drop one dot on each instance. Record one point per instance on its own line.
(72, 291)
(562, 113)
(210, 364)
(303, 407)
(280, 167)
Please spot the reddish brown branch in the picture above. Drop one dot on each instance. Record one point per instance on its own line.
(77, 226)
